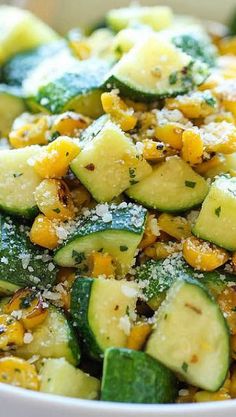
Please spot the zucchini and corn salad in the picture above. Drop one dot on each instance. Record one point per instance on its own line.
(118, 207)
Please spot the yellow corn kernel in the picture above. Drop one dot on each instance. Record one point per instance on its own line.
(136, 105)
(101, 264)
(221, 395)
(31, 306)
(55, 158)
(11, 332)
(219, 137)
(81, 48)
(30, 134)
(171, 134)
(175, 226)
(150, 233)
(81, 196)
(203, 255)
(232, 388)
(138, 336)
(19, 373)
(193, 147)
(227, 46)
(161, 250)
(230, 105)
(204, 167)
(54, 200)
(67, 124)
(227, 303)
(154, 151)
(119, 111)
(43, 233)
(193, 106)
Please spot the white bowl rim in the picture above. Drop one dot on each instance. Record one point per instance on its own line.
(15, 393)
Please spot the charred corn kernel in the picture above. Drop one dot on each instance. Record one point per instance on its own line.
(193, 147)
(203, 255)
(30, 304)
(138, 336)
(101, 264)
(55, 158)
(54, 200)
(43, 232)
(81, 48)
(194, 106)
(232, 388)
(66, 276)
(119, 111)
(227, 46)
(204, 167)
(30, 134)
(150, 233)
(161, 250)
(171, 134)
(176, 226)
(227, 303)
(18, 372)
(187, 395)
(67, 124)
(11, 332)
(154, 151)
(80, 197)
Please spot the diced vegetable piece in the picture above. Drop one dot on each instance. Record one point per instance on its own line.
(193, 147)
(59, 377)
(102, 310)
(158, 17)
(175, 226)
(217, 219)
(19, 373)
(11, 105)
(21, 263)
(12, 332)
(182, 341)
(20, 30)
(54, 338)
(138, 336)
(144, 75)
(116, 230)
(135, 377)
(107, 155)
(43, 233)
(173, 186)
(18, 179)
(119, 111)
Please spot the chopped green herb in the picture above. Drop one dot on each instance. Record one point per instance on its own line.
(78, 257)
(184, 366)
(190, 184)
(123, 248)
(173, 78)
(210, 100)
(16, 175)
(127, 311)
(54, 136)
(132, 173)
(57, 210)
(218, 211)
(233, 309)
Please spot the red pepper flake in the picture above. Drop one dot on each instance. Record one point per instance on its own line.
(90, 167)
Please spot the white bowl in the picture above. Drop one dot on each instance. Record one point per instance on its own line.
(16, 402)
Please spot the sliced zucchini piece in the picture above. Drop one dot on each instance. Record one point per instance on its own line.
(21, 30)
(77, 89)
(11, 105)
(22, 264)
(191, 336)
(18, 181)
(19, 67)
(54, 338)
(217, 219)
(198, 46)
(158, 17)
(173, 186)
(154, 69)
(103, 310)
(59, 377)
(113, 229)
(130, 376)
(107, 155)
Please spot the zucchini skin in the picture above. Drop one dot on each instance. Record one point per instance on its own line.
(80, 297)
(135, 377)
(28, 214)
(13, 244)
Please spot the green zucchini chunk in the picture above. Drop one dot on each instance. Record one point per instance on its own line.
(19, 67)
(108, 154)
(130, 376)
(142, 74)
(102, 310)
(54, 338)
(21, 30)
(77, 89)
(112, 229)
(191, 336)
(173, 186)
(59, 377)
(217, 219)
(18, 178)
(158, 17)
(22, 264)
(12, 104)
